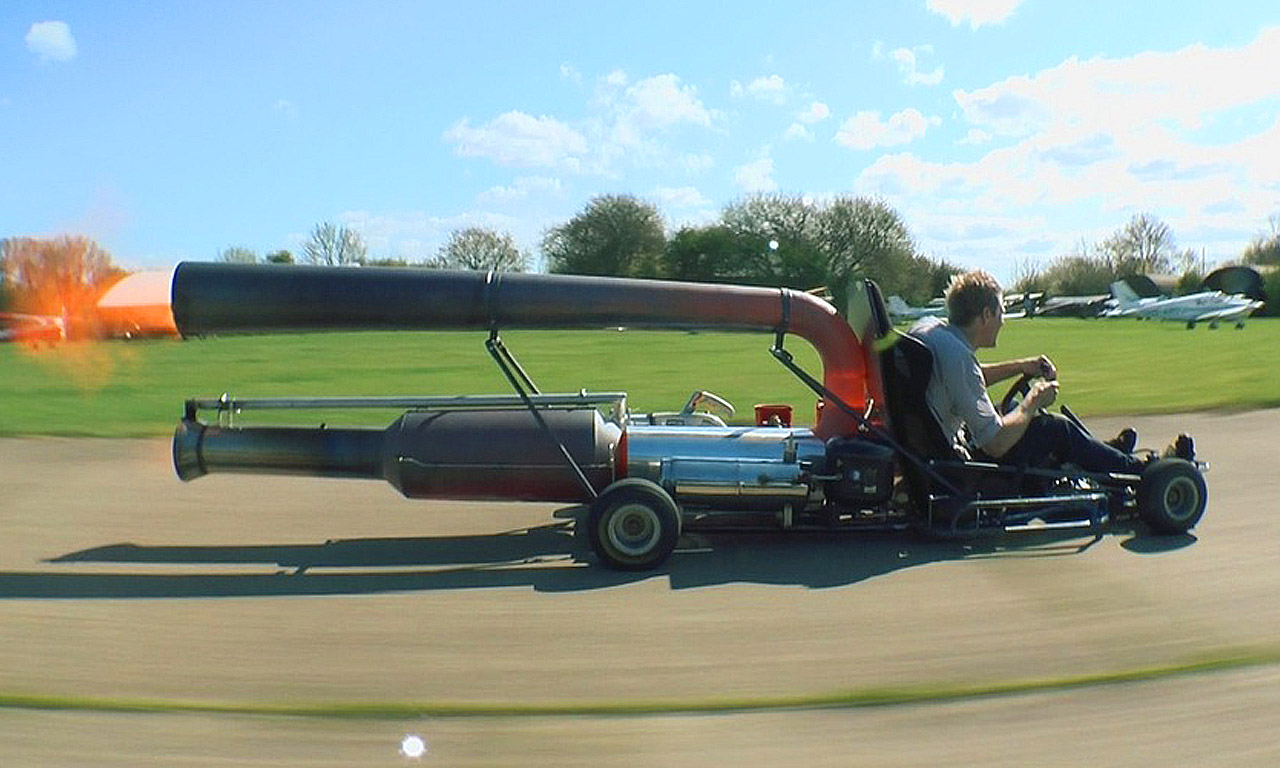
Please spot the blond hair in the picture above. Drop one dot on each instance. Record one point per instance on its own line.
(968, 294)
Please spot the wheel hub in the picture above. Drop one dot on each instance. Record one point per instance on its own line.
(634, 529)
(1181, 498)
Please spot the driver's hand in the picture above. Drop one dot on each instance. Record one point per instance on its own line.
(1043, 367)
(1042, 395)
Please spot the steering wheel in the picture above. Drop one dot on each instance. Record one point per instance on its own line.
(1019, 391)
(1015, 394)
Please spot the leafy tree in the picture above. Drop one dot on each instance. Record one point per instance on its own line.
(790, 241)
(238, 255)
(331, 245)
(614, 235)
(704, 254)
(780, 240)
(1143, 246)
(1265, 248)
(480, 248)
(1271, 287)
(281, 256)
(867, 237)
(388, 263)
(62, 276)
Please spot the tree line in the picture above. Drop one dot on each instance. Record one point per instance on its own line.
(771, 239)
(328, 244)
(767, 239)
(1145, 245)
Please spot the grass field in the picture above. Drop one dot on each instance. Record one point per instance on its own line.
(137, 388)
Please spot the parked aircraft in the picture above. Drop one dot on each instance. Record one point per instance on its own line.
(900, 310)
(18, 327)
(1209, 307)
(1073, 306)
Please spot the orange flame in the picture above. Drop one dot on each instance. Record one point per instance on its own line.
(60, 286)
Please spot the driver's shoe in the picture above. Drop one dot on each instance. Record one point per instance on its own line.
(1182, 447)
(1126, 441)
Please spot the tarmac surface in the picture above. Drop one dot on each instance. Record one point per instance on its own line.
(120, 585)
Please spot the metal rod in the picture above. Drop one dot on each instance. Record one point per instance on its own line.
(498, 348)
(456, 402)
(492, 345)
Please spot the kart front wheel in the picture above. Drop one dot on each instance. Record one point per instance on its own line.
(1171, 496)
(633, 525)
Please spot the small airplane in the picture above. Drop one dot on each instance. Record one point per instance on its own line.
(900, 310)
(1073, 306)
(19, 327)
(1209, 307)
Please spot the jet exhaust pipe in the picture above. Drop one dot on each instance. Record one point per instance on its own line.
(212, 298)
(425, 455)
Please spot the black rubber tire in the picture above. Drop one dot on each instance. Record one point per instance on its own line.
(1172, 496)
(633, 525)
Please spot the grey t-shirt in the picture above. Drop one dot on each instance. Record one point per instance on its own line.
(957, 393)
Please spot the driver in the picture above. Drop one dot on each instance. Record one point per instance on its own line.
(957, 392)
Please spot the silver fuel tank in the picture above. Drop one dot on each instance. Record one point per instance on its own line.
(732, 468)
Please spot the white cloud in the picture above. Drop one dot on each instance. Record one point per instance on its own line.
(771, 89)
(698, 163)
(908, 66)
(522, 188)
(1157, 132)
(680, 197)
(286, 108)
(866, 129)
(976, 12)
(520, 140)
(816, 112)
(570, 73)
(1182, 88)
(627, 122)
(798, 132)
(51, 41)
(756, 176)
(661, 101)
(417, 236)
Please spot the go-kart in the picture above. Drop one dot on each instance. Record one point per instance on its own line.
(952, 495)
(874, 459)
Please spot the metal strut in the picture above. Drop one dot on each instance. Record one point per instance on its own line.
(523, 385)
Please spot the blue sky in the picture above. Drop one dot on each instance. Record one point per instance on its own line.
(1004, 132)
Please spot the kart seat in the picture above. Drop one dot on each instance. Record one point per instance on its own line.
(906, 366)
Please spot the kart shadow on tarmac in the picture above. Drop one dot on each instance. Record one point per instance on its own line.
(548, 558)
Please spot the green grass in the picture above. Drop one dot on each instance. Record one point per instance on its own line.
(137, 388)
(855, 699)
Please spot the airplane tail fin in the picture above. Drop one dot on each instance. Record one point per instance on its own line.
(1125, 295)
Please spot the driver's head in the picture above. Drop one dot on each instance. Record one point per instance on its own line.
(973, 297)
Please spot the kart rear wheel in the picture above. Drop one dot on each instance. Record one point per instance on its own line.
(633, 525)
(1171, 496)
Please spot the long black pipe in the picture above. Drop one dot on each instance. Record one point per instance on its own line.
(212, 298)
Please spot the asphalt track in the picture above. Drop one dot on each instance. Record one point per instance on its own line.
(276, 621)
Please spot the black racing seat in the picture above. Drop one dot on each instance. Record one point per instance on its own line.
(906, 366)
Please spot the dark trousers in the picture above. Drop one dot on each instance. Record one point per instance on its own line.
(1054, 439)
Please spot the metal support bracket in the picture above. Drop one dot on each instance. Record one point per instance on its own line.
(525, 388)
